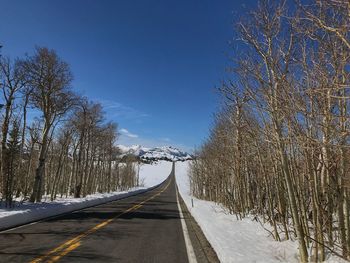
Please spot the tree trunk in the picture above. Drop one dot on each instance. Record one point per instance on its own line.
(39, 172)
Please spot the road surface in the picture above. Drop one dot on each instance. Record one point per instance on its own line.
(142, 228)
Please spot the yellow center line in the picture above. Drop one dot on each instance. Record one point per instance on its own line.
(74, 243)
(64, 252)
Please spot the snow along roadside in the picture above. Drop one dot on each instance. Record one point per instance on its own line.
(151, 176)
(233, 240)
(239, 241)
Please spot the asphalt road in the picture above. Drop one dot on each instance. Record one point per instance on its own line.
(142, 228)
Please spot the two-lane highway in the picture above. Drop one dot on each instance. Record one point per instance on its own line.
(141, 228)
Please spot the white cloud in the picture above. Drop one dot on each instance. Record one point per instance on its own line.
(118, 110)
(128, 134)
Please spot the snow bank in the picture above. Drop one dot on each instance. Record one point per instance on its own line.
(150, 175)
(233, 240)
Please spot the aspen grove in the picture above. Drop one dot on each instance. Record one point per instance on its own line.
(279, 147)
(68, 149)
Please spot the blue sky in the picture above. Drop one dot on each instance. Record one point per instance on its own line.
(153, 65)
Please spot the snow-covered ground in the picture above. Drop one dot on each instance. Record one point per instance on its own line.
(235, 240)
(153, 174)
(150, 176)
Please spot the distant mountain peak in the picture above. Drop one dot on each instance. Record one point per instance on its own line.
(168, 153)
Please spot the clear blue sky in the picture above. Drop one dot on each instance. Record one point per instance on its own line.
(152, 64)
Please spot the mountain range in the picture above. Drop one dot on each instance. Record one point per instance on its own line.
(167, 153)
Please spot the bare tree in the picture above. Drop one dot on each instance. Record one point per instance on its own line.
(279, 148)
(50, 79)
(12, 83)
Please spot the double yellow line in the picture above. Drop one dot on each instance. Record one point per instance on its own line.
(55, 254)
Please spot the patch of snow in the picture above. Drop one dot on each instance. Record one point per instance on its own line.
(150, 175)
(235, 240)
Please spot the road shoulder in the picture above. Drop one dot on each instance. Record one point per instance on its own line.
(202, 248)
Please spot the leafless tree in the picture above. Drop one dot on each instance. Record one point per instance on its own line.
(50, 79)
(279, 148)
(12, 83)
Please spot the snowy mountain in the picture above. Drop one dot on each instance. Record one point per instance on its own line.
(167, 153)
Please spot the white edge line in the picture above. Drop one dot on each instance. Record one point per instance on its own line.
(190, 252)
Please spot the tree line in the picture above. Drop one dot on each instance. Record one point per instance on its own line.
(279, 147)
(69, 149)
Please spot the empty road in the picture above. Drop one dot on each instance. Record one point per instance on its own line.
(142, 228)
